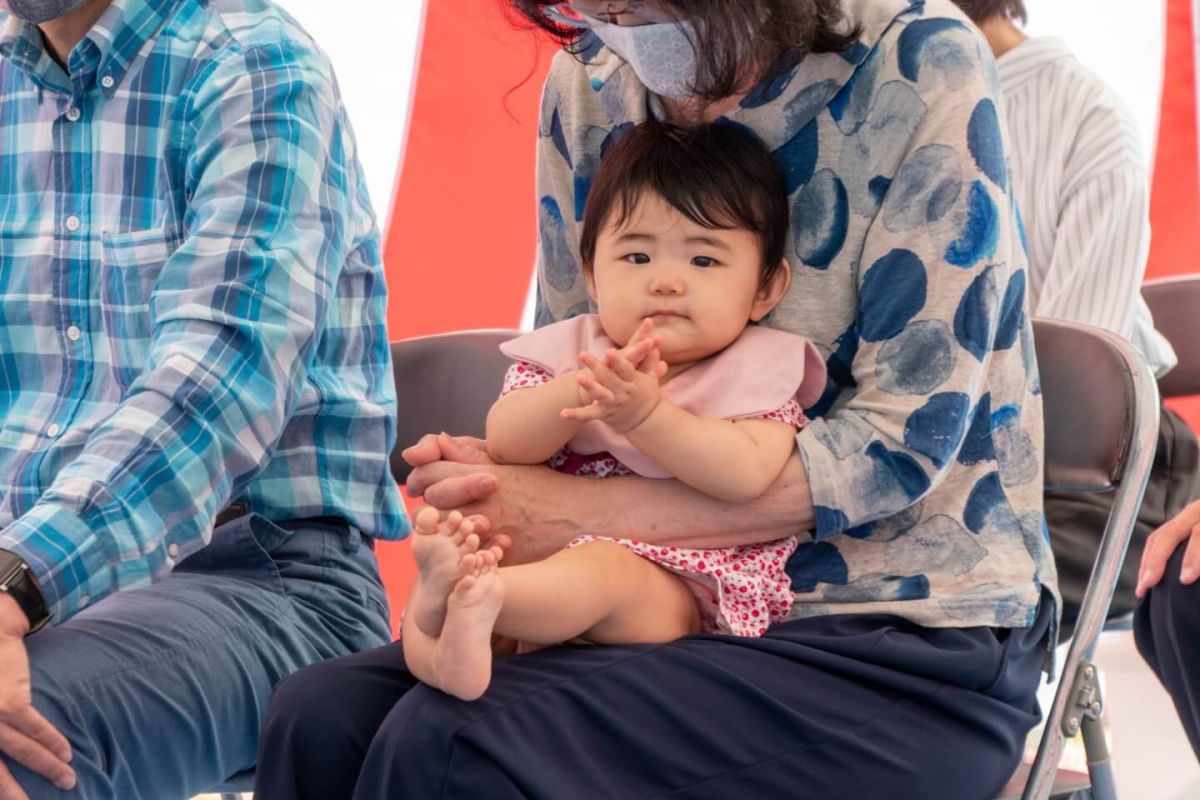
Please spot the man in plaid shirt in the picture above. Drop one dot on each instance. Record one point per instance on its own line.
(196, 398)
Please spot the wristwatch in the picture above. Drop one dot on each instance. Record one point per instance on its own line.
(18, 581)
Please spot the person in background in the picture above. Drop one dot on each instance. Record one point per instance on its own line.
(1083, 194)
(1166, 625)
(196, 398)
(923, 587)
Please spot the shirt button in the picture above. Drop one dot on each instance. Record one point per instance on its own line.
(73, 333)
(73, 223)
(73, 114)
(53, 430)
(173, 550)
(107, 81)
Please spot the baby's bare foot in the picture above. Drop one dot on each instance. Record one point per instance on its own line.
(463, 658)
(440, 549)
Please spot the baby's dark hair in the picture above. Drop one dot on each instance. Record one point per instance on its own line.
(719, 175)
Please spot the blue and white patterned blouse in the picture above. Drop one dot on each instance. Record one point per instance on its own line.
(909, 274)
(191, 294)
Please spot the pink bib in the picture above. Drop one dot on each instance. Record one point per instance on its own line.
(757, 374)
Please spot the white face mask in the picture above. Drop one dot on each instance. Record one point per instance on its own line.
(661, 54)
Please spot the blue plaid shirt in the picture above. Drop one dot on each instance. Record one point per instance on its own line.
(192, 299)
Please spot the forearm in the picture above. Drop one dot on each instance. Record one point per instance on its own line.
(716, 456)
(670, 512)
(526, 426)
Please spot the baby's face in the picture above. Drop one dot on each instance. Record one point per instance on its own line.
(698, 286)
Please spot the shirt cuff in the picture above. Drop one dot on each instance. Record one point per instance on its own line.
(65, 555)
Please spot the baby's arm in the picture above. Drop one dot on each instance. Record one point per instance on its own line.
(530, 425)
(732, 461)
(526, 426)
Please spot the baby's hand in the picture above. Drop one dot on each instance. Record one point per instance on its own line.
(622, 389)
(651, 362)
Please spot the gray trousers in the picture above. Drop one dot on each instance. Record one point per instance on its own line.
(161, 691)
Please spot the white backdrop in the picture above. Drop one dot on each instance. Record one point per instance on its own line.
(1119, 40)
(373, 46)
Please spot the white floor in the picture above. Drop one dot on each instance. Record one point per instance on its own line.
(1151, 755)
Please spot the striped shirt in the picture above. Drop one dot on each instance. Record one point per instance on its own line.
(1082, 188)
(191, 294)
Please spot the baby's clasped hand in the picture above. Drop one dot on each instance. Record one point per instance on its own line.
(622, 389)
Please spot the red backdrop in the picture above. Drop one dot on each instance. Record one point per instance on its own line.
(1174, 198)
(460, 243)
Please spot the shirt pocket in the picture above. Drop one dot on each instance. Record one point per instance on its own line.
(130, 267)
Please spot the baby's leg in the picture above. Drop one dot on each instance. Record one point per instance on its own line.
(459, 660)
(600, 591)
(438, 549)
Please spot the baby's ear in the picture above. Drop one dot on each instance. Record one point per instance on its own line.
(772, 291)
(589, 275)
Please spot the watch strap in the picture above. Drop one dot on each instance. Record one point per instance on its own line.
(19, 582)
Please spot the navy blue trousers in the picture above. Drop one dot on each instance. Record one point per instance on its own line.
(862, 706)
(1166, 627)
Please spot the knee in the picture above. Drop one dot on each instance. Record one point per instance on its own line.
(307, 710)
(61, 704)
(1179, 598)
(412, 749)
(1171, 604)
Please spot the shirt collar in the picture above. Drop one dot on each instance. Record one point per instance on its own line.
(108, 49)
(802, 91)
(1024, 60)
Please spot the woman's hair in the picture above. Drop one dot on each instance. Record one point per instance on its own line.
(982, 10)
(718, 175)
(737, 39)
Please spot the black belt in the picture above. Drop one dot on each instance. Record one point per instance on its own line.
(231, 513)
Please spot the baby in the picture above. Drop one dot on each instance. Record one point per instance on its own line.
(682, 246)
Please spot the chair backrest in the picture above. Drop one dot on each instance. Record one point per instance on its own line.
(1175, 305)
(445, 382)
(1101, 419)
(1087, 396)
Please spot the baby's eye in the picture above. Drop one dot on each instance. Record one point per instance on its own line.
(704, 261)
(637, 258)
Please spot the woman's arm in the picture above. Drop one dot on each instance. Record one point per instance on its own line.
(526, 426)
(541, 510)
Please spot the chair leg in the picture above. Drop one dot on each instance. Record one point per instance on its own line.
(1100, 770)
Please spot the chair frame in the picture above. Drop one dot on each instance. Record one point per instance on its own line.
(1077, 702)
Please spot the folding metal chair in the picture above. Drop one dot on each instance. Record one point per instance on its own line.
(1175, 305)
(1101, 419)
(445, 382)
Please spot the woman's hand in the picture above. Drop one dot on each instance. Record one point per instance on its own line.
(1163, 543)
(444, 490)
(525, 509)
